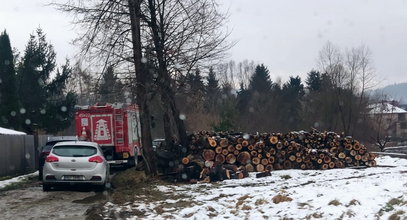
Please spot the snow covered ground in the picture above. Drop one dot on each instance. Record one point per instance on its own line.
(371, 193)
(4, 183)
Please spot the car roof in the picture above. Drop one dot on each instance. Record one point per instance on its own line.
(76, 143)
(62, 138)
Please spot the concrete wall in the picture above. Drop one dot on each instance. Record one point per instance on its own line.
(19, 153)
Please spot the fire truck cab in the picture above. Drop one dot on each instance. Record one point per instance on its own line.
(115, 127)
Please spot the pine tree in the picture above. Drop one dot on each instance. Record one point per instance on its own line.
(44, 101)
(292, 92)
(107, 89)
(313, 81)
(8, 88)
(212, 91)
(260, 81)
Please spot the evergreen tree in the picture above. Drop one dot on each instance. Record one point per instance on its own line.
(8, 88)
(45, 104)
(108, 88)
(292, 92)
(260, 80)
(212, 91)
(313, 81)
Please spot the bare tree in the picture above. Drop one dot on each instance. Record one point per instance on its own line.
(176, 35)
(351, 74)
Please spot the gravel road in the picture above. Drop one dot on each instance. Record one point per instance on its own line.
(62, 203)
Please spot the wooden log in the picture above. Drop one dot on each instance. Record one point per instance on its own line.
(208, 154)
(218, 150)
(256, 160)
(348, 160)
(238, 147)
(259, 155)
(250, 148)
(356, 146)
(353, 153)
(327, 159)
(342, 155)
(268, 167)
(253, 153)
(230, 159)
(259, 168)
(231, 167)
(324, 166)
(236, 152)
(358, 157)
(244, 157)
(220, 158)
(371, 163)
(272, 151)
(212, 142)
(279, 146)
(271, 160)
(263, 174)
(245, 143)
(292, 158)
(225, 152)
(249, 167)
(185, 160)
(231, 148)
(331, 165)
(264, 161)
(240, 140)
(224, 142)
(287, 164)
(273, 140)
(298, 160)
(348, 146)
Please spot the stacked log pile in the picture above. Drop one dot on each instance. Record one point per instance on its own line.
(219, 156)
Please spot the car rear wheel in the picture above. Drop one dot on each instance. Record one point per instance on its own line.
(46, 187)
(100, 188)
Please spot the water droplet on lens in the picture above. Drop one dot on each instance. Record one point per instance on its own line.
(22, 110)
(182, 116)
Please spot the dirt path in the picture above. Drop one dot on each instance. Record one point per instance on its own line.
(32, 203)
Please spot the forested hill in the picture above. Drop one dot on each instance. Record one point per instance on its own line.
(397, 92)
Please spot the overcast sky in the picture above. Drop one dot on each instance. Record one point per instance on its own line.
(285, 35)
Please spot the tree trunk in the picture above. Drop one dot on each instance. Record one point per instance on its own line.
(164, 78)
(141, 89)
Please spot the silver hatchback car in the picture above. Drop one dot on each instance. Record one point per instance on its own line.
(75, 162)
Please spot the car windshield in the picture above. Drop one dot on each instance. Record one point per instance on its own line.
(74, 151)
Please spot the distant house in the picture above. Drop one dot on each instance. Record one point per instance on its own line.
(5, 131)
(392, 120)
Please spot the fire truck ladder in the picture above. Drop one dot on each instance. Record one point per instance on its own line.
(119, 132)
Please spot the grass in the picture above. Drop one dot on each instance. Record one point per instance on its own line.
(281, 198)
(335, 203)
(391, 203)
(397, 215)
(353, 202)
(241, 200)
(260, 202)
(285, 177)
(302, 205)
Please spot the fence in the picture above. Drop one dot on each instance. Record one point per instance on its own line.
(19, 153)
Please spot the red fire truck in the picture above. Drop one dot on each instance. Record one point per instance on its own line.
(115, 127)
